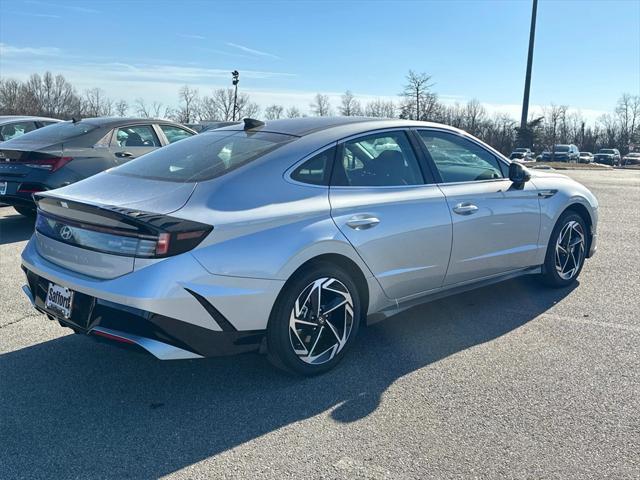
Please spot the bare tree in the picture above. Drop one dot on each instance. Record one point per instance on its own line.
(142, 109)
(380, 108)
(419, 101)
(121, 108)
(349, 105)
(96, 103)
(293, 112)
(274, 112)
(219, 106)
(187, 112)
(628, 116)
(474, 116)
(321, 106)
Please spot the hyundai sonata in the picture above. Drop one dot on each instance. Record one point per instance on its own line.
(286, 237)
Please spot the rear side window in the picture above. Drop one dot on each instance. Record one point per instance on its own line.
(15, 130)
(174, 134)
(204, 156)
(316, 170)
(61, 131)
(136, 136)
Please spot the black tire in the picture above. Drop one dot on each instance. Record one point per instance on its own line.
(550, 275)
(26, 211)
(281, 339)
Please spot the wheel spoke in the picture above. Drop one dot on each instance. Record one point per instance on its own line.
(570, 248)
(321, 320)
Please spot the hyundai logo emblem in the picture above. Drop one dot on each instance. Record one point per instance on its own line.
(66, 232)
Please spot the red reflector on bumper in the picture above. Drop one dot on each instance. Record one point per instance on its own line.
(113, 337)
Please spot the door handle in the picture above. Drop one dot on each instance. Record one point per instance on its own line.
(362, 222)
(465, 208)
(124, 154)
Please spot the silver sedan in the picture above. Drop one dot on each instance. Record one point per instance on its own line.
(287, 237)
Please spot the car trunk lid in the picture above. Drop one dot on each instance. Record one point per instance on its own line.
(99, 228)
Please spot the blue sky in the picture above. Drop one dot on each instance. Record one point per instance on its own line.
(587, 52)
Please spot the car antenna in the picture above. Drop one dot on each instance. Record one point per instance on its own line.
(250, 123)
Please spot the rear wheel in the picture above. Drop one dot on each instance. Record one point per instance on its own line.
(566, 251)
(314, 321)
(26, 211)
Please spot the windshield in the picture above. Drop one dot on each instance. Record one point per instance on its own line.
(607, 150)
(585, 154)
(59, 132)
(522, 150)
(561, 148)
(204, 156)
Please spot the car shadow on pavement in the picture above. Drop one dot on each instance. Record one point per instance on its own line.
(14, 227)
(75, 407)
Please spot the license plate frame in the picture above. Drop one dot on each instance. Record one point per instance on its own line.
(59, 300)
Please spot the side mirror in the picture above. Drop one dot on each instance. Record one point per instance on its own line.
(518, 173)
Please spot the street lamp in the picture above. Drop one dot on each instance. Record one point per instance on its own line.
(235, 75)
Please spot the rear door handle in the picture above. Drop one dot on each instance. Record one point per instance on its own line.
(362, 222)
(465, 208)
(124, 154)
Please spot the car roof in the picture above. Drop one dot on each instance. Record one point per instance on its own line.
(304, 126)
(18, 118)
(115, 121)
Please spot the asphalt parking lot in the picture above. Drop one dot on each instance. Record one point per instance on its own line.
(513, 380)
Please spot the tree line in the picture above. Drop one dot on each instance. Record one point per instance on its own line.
(54, 96)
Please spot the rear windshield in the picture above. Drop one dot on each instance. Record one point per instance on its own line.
(562, 148)
(58, 132)
(607, 150)
(204, 156)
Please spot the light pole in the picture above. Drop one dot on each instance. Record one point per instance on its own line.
(235, 75)
(524, 133)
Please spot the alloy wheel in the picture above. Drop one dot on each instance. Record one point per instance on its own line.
(570, 250)
(321, 321)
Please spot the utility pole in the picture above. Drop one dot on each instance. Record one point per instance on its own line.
(235, 75)
(527, 82)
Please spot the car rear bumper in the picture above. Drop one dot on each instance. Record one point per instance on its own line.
(173, 308)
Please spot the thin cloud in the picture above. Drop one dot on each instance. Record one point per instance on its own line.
(192, 36)
(253, 51)
(13, 51)
(39, 15)
(73, 8)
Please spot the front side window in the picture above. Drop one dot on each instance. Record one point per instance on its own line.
(382, 159)
(15, 130)
(204, 156)
(136, 136)
(458, 159)
(174, 134)
(316, 170)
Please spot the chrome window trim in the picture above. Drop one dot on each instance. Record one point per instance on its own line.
(499, 157)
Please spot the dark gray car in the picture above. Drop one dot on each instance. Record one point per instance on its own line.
(66, 152)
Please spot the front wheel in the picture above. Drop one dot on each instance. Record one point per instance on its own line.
(314, 321)
(566, 251)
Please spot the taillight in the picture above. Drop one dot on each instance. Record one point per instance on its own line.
(52, 163)
(178, 237)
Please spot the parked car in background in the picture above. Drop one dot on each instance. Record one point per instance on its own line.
(66, 152)
(585, 157)
(631, 158)
(562, 153)
(608, 156)
(524, 154)
(208, 125)
(14, 126)
(285, 237)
